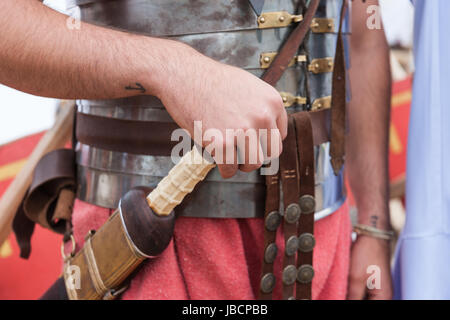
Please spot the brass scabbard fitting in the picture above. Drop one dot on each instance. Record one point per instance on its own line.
(132, 234)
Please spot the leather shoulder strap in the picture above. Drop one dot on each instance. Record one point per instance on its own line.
(306, 241)
(290, 47)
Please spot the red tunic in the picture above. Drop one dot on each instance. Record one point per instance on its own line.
(221, 258)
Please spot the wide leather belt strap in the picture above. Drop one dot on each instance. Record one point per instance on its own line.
(338, 102)
(131, 136)
(288, 170)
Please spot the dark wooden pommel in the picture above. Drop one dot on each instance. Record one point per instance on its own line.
(150, 233)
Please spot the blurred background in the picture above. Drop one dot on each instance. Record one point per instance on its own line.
(24, 118)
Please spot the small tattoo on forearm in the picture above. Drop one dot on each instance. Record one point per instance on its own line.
(138, 87)
(374, 221)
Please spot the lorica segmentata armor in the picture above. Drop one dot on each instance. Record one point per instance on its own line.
(232, 33)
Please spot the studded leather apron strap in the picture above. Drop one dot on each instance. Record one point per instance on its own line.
(306, 241)
(338, 103)
(289, 181)
(272, 220)
(49, 199)
(152, 137)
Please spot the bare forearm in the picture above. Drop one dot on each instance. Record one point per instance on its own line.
(369, 123)
(42, 56)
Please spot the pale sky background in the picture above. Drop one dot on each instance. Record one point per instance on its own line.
(22, 114)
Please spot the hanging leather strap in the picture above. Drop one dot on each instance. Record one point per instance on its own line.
(306, 241)
(289, 180)
(338, 103)
(49, 199)
(154, 138)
